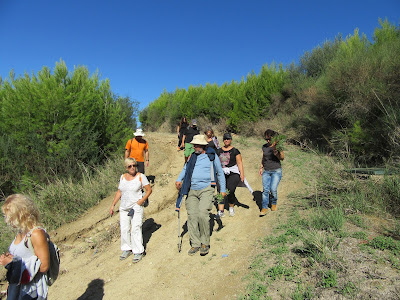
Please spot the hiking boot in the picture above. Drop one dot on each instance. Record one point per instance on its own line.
(273, 207)
(263, 212)
(204, 250)
(231, 212)
(125, 254)
(193, 250)
(220, 214)
(137, 257)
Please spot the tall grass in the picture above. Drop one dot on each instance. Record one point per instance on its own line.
(64, 201)
(314, 240)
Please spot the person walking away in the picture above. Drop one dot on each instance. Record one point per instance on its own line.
(188, 135)
(131, 209)
(26, 270)
(182, 126)
(271, 172)
(197, 176)
(232, 165)
(211, 139)
(138, 148)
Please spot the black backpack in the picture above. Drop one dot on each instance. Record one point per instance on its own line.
(54, 256)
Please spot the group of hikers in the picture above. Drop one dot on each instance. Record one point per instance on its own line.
(208, 166)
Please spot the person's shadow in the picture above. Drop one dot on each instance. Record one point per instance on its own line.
(94, 291)
(180, 236)
(257, 197)
(215, 219)
(148, 227)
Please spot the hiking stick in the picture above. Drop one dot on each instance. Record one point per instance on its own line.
(179, 232)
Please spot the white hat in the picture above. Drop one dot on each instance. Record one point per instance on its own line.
(199, 139)
(139, 132)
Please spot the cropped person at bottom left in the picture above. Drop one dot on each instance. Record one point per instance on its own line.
(26, 269)
(131, 209)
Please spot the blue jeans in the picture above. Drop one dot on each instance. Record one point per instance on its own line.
(270, 180)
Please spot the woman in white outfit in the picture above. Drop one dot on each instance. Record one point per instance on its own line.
(131, 209)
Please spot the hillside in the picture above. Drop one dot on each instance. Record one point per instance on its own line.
(91, 246)
(91, 269)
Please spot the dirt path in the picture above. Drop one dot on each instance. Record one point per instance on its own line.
(91, 268)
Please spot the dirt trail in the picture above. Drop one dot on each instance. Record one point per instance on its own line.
(90, 246)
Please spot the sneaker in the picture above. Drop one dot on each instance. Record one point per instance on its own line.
(263, 212)
(231, 212)
(204, 250)
(137, 257)
(125, 254)
(221, 214)
(193, 250)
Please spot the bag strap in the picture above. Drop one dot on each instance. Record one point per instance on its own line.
(28, 241)
(140, 179)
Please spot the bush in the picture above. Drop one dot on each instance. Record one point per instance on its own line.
(52, 122)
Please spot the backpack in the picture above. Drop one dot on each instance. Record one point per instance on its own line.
(54, 256)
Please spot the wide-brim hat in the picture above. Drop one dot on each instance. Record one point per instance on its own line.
(199, 139)
(138, 132)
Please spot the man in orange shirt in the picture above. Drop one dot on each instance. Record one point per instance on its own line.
(138, 148)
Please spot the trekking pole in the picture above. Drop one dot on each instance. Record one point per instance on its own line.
(179, 232)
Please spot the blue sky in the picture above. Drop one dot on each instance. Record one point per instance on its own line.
(144, 47)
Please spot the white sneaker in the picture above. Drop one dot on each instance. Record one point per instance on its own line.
(220, 214)
(137, 257)
(231, 212)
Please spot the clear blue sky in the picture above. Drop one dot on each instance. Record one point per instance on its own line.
(144, 47)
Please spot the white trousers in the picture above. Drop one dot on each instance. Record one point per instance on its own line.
(131, 230)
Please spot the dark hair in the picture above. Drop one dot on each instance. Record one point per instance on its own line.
(270, 133)
(183, 121)
(227, 136)
(209, 129)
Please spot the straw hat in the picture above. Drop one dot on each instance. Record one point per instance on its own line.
(199, 139)
(139, 132)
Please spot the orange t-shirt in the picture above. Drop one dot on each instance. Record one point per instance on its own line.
(137, 149)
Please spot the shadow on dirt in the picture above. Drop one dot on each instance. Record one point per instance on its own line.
(94, 291)
(148, 227)
(215, 219)
(257, 197)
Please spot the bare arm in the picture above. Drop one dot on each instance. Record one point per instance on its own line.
(279, 155)
(148, 192)
(146, 155)
(127, 152)
(116, 198)
(41, 247)
(240, 165)
(183, 140)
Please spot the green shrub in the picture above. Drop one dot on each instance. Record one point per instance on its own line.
(386, 243)
(328, 279)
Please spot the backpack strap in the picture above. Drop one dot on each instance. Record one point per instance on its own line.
(28, 241)
(140, 179)
(213, 181)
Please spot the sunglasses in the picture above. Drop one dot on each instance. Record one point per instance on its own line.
(131, 166)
